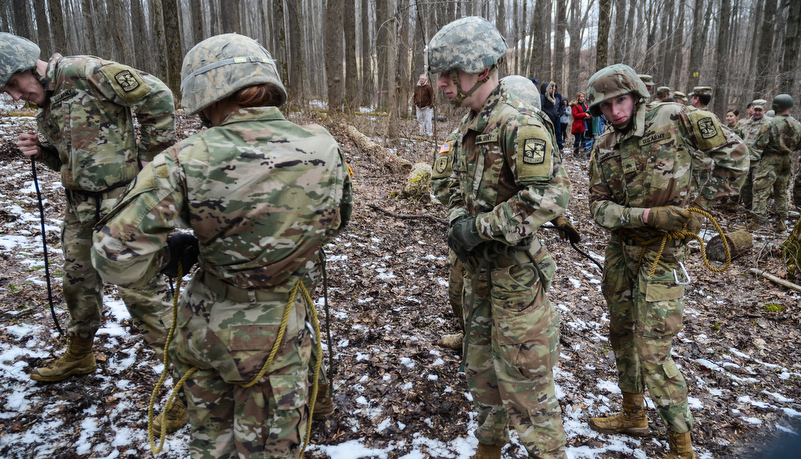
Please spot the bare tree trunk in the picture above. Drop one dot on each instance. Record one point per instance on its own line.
(629, 45)
(368, 87)
(402, 78)
(351, 71)
(197, 21)
(602, 48)
(619, 45)
(546, 23)
(666, 42)
(524, 44)
(42, 27)
(173, 51)
(721, 101)
(559, 46)
(57, 26)
(574, 55)
(22, 19)
(333, 53)
(763, 68)
(282, 50)
(516, 33)
(791, 48)
(297, 65)
(229, 12)
(698, 45)
(500, 24)
(677, 49)
(385, 49)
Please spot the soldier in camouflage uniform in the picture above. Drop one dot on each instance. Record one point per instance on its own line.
(680, 98)
(645, 172)
(263, 196)
(507, 179)
(528, 96)
(748, 132)
(700, 97)
(85, 119)
(777, 139)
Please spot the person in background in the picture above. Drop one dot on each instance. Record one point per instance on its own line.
(262, 196)
(424, 105)
(553, 104)
(582, 120)
(732, 117)
(680, 98)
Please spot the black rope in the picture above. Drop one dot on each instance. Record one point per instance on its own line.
(44, 245)
(572, 244)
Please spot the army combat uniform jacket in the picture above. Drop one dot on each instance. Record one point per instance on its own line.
(671, 156)
(263, 196)
(504, 168)
(778, 138)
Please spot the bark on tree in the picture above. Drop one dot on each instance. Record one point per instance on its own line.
(559, 47)
(119, 28)
(352, 98)
(764, 72)
(403, 80)
(297, 64)
(229, 13)
(333, 61)
(197, 22)
(22, 19)
(602, 47)
(281, 51)
(59, 33)
(385, 49)
(368, 88)
(721, 100)
(42, 27)
(792, 42)
(619, 43)
(698, 45)
(173, 50)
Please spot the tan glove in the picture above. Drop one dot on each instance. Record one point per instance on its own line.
(670, 218)
(569, 233)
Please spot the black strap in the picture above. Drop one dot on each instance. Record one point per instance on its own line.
(44, 245)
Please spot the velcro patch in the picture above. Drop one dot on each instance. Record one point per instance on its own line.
(63, 95)
(441, 165)
(126, 82)
(652, 138)
(534, 153)
(445, 148)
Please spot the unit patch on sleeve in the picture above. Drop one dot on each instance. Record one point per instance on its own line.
(126, 82)
(709, 134)
(707, 128)
(534, 153)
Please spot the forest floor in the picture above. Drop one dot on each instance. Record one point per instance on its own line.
(399, 395)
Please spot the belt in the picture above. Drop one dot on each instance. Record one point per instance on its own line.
(627, 240)
(241, 295)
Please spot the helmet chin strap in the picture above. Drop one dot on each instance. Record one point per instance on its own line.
(461, 95)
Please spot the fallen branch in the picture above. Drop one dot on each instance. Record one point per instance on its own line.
(409, 217)
(375, 151)
(775, 279)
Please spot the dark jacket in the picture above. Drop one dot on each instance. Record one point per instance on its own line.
(553, 109)
(423, 95)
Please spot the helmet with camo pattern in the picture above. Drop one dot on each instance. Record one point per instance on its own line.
(471, 44)
(16, 54)
(523, 88)
(613, 81)
(219, 66)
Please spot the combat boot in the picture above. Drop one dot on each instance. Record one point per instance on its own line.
(323, 404)
(487, 452)
(177, 417)
(680, 446)
(78, 360)
(453, 341)
(631, 421)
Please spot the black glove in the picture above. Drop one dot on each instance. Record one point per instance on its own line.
(463, 237)
(567, 232)
(183, 248)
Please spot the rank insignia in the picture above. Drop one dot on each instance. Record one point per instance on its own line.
(534, 151)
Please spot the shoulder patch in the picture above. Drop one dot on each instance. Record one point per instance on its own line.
(445, 148)
(126, 82)
(534, 153)
(708, 133)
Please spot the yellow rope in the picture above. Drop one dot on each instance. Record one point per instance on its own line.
(683, 234)
(273, 352)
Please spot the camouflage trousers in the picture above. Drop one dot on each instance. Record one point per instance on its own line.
(456, 285)
(772, 174)
(150, 307)
(229, 341)
(645, 315)
(512, 341)
(746, 191)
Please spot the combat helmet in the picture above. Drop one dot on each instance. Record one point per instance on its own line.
(613, 81)
(782, 102)
(219, 66)
(470, 44)
(523, 88)
(16, 54)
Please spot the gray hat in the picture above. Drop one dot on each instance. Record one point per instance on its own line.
(647, 79)
(662, 91)
(680, 95)
(701, 91)
(759, 103)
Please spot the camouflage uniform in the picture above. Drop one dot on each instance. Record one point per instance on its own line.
(508, 173)
(749, 131)
(89, 136)
(671, 156)
(263, 196)
(777, 140)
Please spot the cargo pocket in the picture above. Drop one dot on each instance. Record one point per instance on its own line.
(663, 310)
(289, 400)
